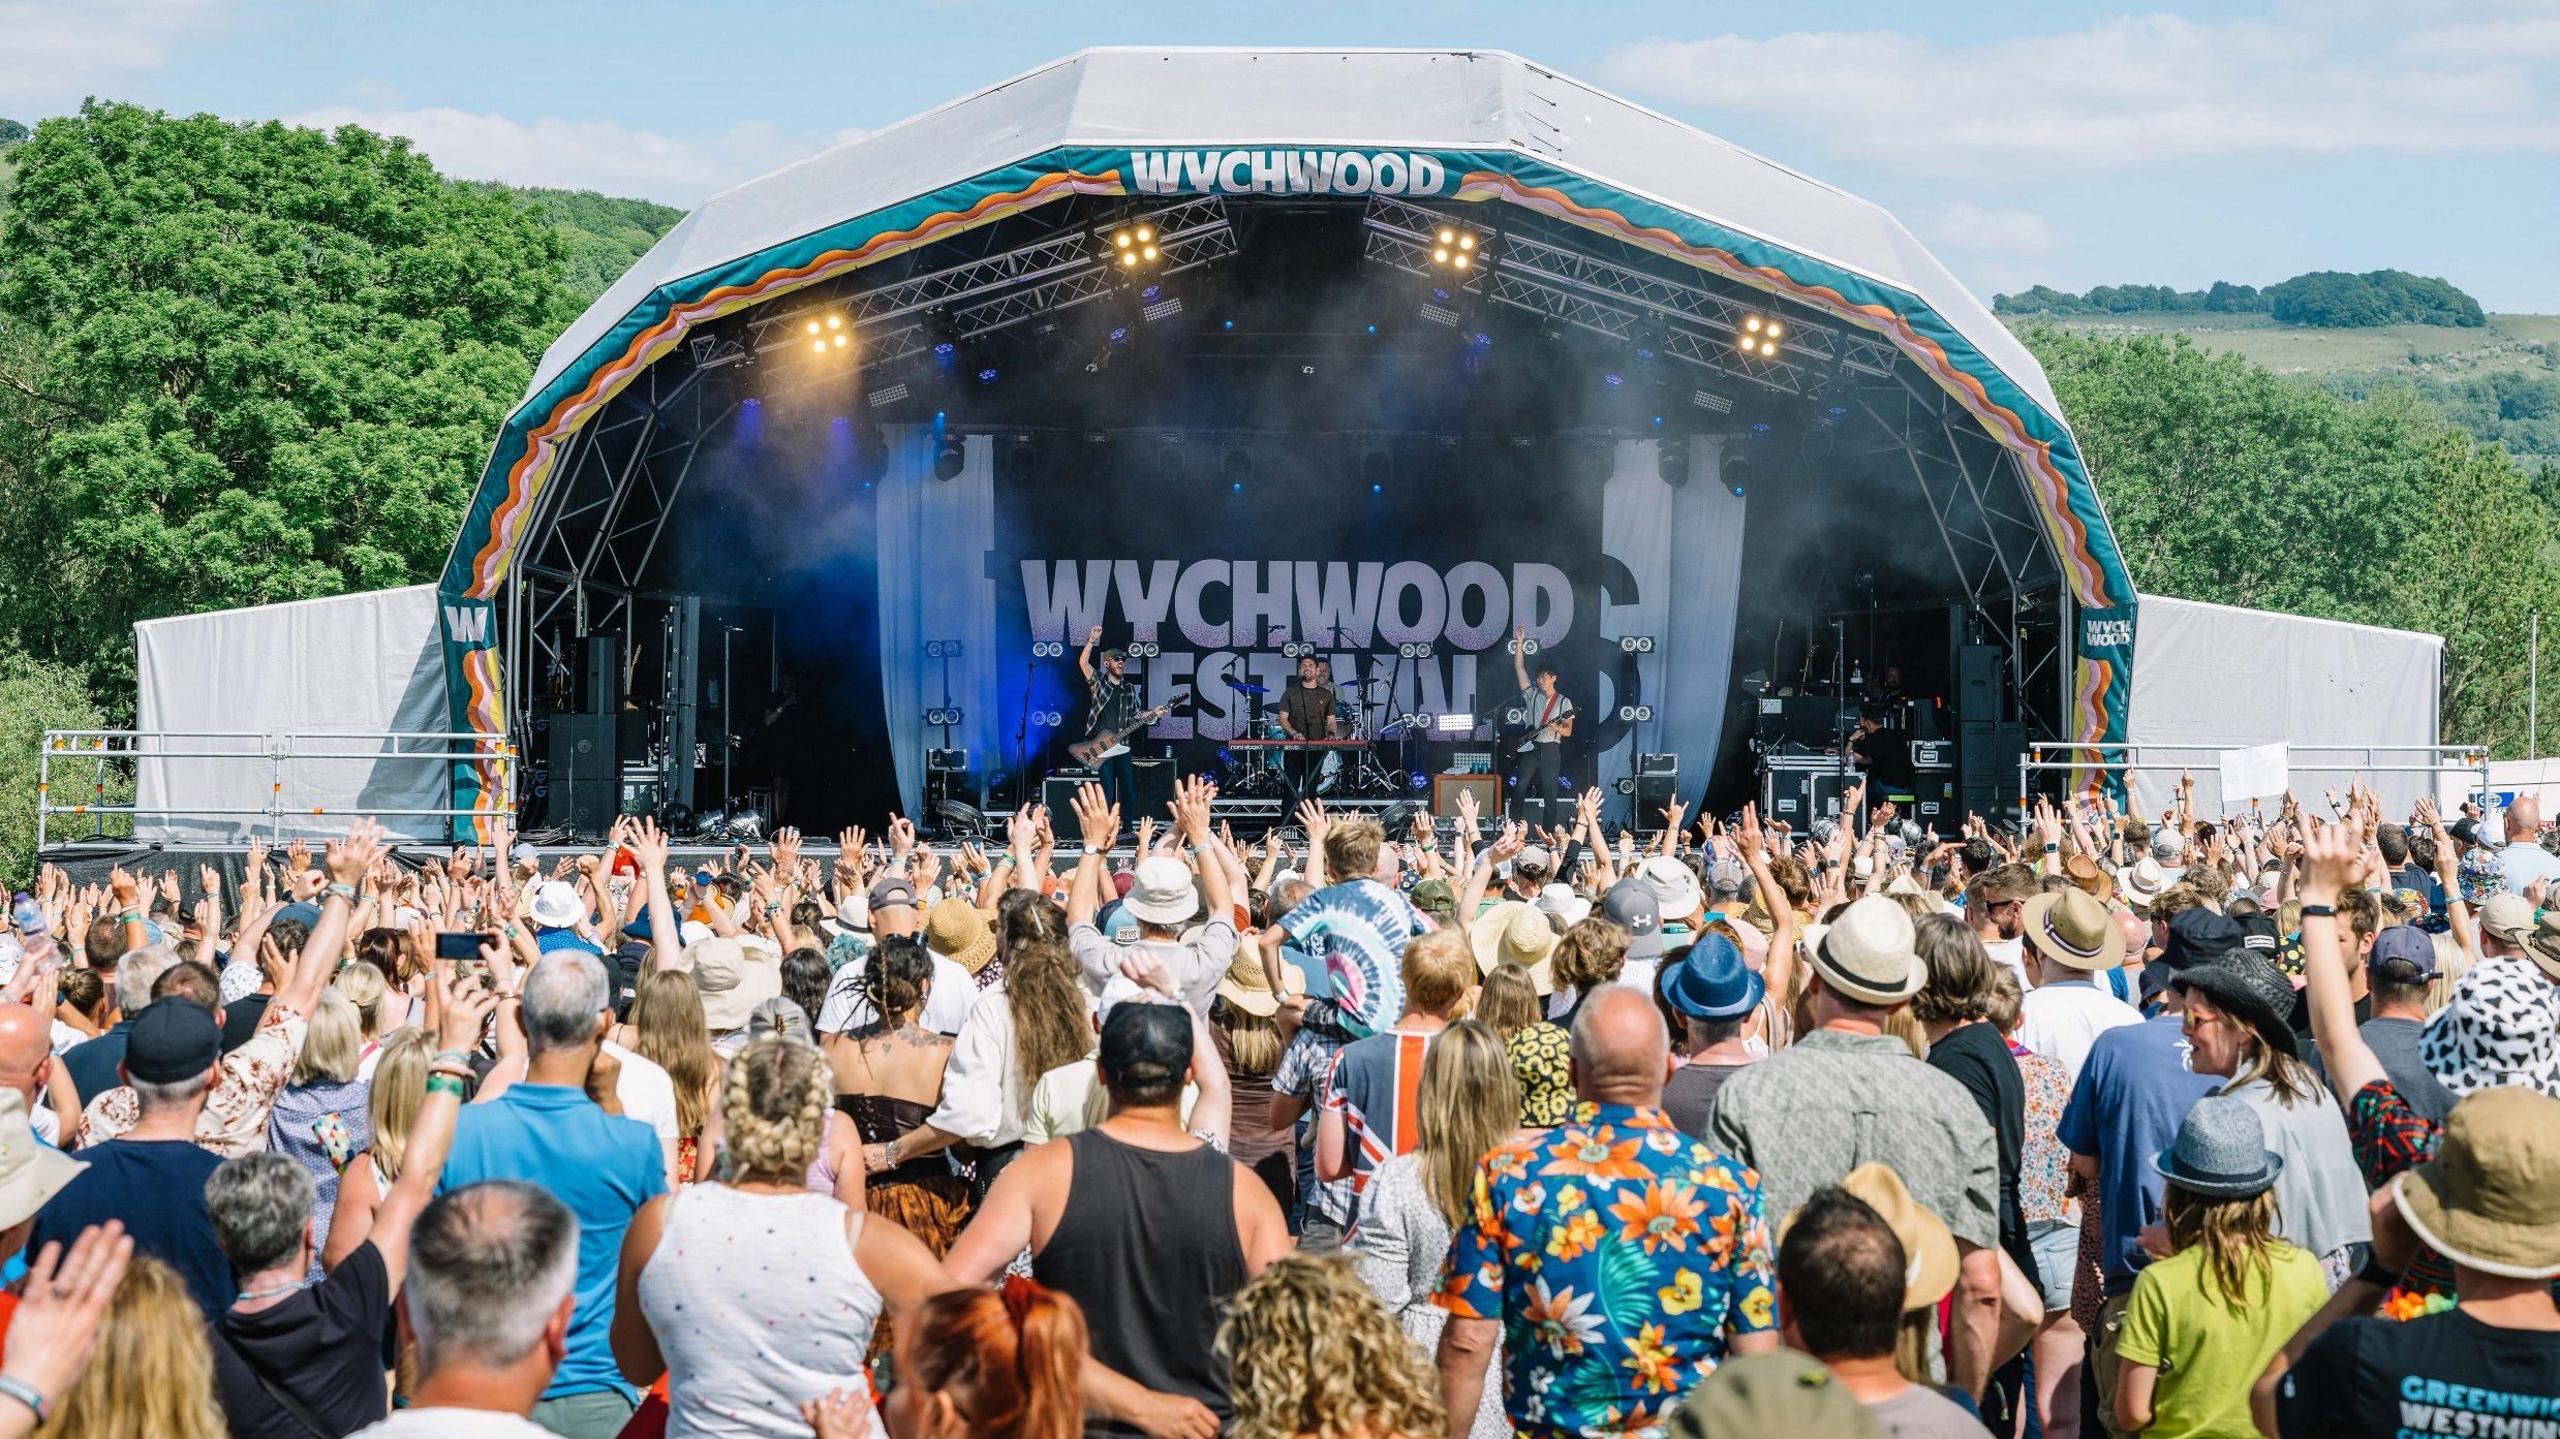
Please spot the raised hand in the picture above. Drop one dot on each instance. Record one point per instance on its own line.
(786, 848)
(902, 836)
(2332, 857)
(1191, 804)
(65, 1302)
(1098, 817)
(648, 845)
(1513, 839)
(127, 891)
(1311, 818)
(1747, 830)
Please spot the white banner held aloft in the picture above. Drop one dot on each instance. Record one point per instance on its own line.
(2258, 772)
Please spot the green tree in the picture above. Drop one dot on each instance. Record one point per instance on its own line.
(35, 697)
(245, 363)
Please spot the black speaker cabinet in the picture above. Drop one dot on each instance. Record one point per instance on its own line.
(1978, 685)
(585, 772)
(1155, 775)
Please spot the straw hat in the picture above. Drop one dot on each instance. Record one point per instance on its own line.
(2071, 928)
(1869, 954)
(955, 929)
(1520, 933)
(733, 980)
(1928, 1246)
(31, 1171)
(2084, 874)
(1248, 989)
(2146, 882)
(2490, 1199)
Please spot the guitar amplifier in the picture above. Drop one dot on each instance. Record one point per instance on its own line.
(1445, 788)
(1153, 775)
(1058, 792)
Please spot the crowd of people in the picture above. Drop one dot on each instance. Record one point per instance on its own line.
(2104, 1124)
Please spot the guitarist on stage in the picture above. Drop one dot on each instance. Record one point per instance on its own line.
(1548, 718)
(1114, 711)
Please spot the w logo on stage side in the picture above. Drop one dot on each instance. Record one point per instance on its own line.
(467, 624)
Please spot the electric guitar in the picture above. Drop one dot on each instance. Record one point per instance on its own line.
(1560, 728)
(1105, 744)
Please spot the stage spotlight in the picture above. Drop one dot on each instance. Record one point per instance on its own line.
(1053, 718)
(1671, 461)
(1526, 646)
(950, 457)
(1047, 649)
(1738, 474)
(1635, 713)
(1145, 650)
(1453, 247)
(1136, 245)
(1514, 716)
(1626, 785)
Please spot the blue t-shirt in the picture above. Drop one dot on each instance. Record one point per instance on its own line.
(552, 941)
(156, 1186)
(2520, 864)
(602, 1166)
(2134, 1091)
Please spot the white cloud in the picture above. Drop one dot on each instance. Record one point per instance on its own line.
(2130, 90)
(53, 53)
(1964, 225)
(582, 154)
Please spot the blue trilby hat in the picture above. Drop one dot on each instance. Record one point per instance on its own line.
(1712, 982)
(2221, 1152)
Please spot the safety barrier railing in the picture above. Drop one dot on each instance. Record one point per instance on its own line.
(113, 755)
(2470, 761)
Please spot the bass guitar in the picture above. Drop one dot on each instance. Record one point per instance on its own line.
(1105, 744)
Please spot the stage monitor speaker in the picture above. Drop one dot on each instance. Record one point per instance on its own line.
(585, 772)
(600, 678)
(1153, 775)
(1978, 685)
(1987, 758)
(1657, 779)
(1058, 792)
(1446, 787)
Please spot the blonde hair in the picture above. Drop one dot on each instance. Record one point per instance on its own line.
(1509, 999)
(152, 1374)
(2452, 962)
(779, 1092)
(399, 1087)
(1351, 849)
(1468, 1102)
(1310, 1352)
(1439, 969)
(2237, 1236)
(1591, 953)
(364, 987)
(333, 1044)
(1253, 1040)
(669, 1031)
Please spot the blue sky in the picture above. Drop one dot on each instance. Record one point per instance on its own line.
(2023, 142)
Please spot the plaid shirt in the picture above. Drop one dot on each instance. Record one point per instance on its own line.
(2390, 1139)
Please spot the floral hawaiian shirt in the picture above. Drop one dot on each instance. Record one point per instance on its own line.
(1617, 1252)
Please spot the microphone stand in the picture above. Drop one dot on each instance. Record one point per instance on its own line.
(1022, 735)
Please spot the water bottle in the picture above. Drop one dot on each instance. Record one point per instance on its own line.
(28, 915)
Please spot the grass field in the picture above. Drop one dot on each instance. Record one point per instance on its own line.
(2506, 342)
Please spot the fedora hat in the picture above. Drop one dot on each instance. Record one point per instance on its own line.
(2088, 878)
(31, 1171)
(2542, 946)
(1867, 953)
(958, 931)
(2249, 989)
(1929, 1258)
(2490, 1199)
(1246, 987)
(1160, 892)
(2146, 881)
(556, 905)
(1517, 932)
(2221, 1151)
(1711, 981)
(1675, 886)
(2500, 1026)
(2072, 929)
(733, 979)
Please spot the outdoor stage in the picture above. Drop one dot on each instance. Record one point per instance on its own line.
(1237, 354)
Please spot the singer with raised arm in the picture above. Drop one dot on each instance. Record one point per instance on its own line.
(1548, 717)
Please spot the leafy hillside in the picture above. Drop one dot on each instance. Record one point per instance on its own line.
(2322, 299)
(600, 235)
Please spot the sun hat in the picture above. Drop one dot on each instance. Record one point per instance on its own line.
(733, 981)
(958, 931)
(2087, 877)
(1247, 988)
(172, 1039)
(1433, 897)
(2490, 1199)
(1711, 981)
(1780, 1392)
(2542, 946)
(2480, 874)
(1560, 904)
(1161, 892)
(1632, 905)
(2500, 1026)
(1929, 1257)
(2146, 882)
(2200, 936)
(2405, 944)
(2508, 916)
(556, 905)
(1867, 953)
(31, 1171)
(1727, 876)
(2072, 929)
(2250, 990)
(2220, 1152)
(2168, 846)
(1517, 932)
(1675, 886)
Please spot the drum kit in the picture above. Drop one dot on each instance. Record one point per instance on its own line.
(1259, 762)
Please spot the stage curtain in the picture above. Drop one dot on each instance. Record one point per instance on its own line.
(1684, 543)
(935, 536)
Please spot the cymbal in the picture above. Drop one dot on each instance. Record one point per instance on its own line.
(1242, 688)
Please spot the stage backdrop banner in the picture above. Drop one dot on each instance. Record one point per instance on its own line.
(358, 665)
(1411, 589)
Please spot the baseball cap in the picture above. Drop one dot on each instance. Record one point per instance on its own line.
(2508, 916)
(172, 1039)
(1434, 898)
(1632, 905)
(2407, 945)
(890, 892)
(1145, 1042)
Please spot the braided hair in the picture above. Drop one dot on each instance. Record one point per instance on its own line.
(776, 1108)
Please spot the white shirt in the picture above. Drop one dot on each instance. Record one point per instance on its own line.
(1195, 968)
(982, 1084)
(2011, 954)
(947, 999)
(2061, 1021)
(449, 1423)
(646, 1092)
(1069, 1100)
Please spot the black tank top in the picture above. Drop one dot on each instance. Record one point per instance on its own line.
(1148, 1246)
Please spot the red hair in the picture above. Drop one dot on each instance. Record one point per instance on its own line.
(1011, 1359)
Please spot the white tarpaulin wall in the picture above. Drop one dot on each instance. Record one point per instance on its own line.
(2232, 678)
(357, 665)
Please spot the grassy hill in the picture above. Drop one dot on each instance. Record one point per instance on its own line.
(2500, 381)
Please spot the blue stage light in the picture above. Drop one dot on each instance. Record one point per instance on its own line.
(1119, 333)
(1226, 324)
(1420, 782)
(1373, 329)
(943, 349)
(1238, 487)
(1613, 380)
(1377, 489)
(1152, 292)
(987, 376)
(1657, 422)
